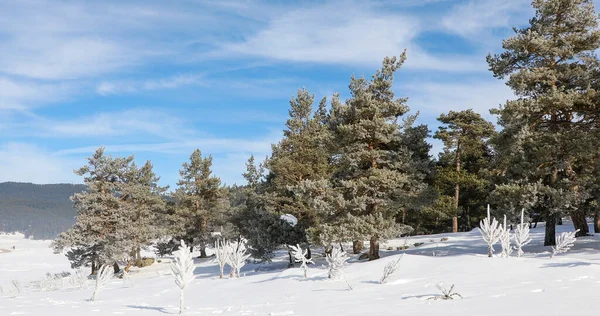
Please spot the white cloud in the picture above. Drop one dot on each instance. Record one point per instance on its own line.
(120, 87)
(352, 34)
(21, 94)
(143, 122)
(22, 162)
(478, 16)
(434, 98)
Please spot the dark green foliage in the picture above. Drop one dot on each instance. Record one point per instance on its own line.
(550, 134)
(465, 135)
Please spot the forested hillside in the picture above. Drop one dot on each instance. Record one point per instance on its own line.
(38, 211)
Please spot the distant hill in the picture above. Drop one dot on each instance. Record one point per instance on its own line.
(40, 211)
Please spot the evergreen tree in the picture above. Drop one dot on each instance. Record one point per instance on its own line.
(99, 235)
(302, 155)
(464, 134)
(550, 134)
(263, 228)
(143, 203)
(371, 171)
(201, 202)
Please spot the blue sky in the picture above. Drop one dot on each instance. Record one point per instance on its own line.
(160, 78)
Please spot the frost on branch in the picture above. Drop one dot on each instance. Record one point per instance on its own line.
(390, 269)
(336, 261)
(522, 235)
(182, 268)
(237, 256)
(222, 252)
(490, 231)
(300, 255)
(105, 273)
(564, 242)
(505, 240)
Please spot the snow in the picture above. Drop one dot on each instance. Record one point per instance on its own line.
(290, 219)
(532, 284)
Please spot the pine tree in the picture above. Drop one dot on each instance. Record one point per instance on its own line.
(302, 155)
(464, 133)
(99, 235)
(201, 202)
(143, 203)
(371, 170)
(550, 134)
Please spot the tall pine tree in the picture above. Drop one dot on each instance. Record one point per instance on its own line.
(201, 202)
(550, 67)
(371, 170)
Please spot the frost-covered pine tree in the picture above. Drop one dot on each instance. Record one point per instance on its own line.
(522, 235)
(222, 252)
(505, 240)
(238, 256)
(104, 275)
(300, 255)
(490, 231)
(564, 242)
(182, 269)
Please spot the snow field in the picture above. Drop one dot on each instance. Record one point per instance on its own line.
(532, 285)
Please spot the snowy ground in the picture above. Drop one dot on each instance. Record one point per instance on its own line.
(532, 285)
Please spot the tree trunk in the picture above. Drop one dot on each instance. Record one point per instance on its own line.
(94, 268)
(597, 220)
(579, 222)
(203, 250)
(374, 248)
(403, 215)
(341, 247)
(550, 237)
(116, 267)
(180, 301)
(308, 253)
(456, 190)
(357, 246)
(138, 255)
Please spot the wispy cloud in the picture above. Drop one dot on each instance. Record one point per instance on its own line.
(25, 162)
(433, 98)
(483, 16)
(23, 94)
(337, 34)
(120, 87)
(132, 122)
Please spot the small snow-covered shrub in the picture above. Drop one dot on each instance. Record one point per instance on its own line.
(238, 256)
(505, 240)
(222, 252)
(182, 268)
(336, 261)
(105, 273)
(17, 286)
(490, 231)
(300, 255)
(522, 235)
(78, 279)
(447, 294)
(49, 283)
(564, 242)
(390, 269)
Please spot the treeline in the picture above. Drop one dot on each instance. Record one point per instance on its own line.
(360, 169)
(40, 211)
